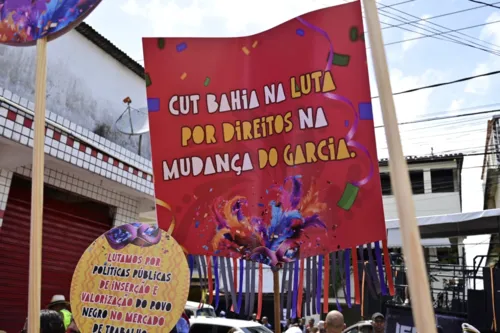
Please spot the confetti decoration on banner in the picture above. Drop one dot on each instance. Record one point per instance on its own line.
(148, 79)
(207, 81)
(254, 45)
(181, 47)
(300, 32)
(353, 34)
(348, 197)
(245, 50)
(161, 43)
(183, 76)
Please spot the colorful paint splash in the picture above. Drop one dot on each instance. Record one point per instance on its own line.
(25, 21)
(274, 238)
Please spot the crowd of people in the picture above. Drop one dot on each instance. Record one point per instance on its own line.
(56, 318)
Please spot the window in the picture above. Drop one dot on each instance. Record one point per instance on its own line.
(385, 181)
(442, 180)
(417, 181)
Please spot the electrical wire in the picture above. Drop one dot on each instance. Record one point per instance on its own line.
(450, 31)
(435, 85)
(485, 4)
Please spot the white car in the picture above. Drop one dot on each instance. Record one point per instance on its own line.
(195, 309)
(223, 325)
(364, 326)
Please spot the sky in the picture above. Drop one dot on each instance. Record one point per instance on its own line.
(412, 63)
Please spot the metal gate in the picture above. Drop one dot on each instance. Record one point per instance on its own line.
(70, 224)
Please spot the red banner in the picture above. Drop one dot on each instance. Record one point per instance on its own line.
(264, 146)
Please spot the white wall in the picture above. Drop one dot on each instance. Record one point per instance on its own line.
(84, 84)
(428, 203)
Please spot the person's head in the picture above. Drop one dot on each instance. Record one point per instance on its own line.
(302, 321)
(311, 322)
(378, 322)
(50, 322)
(222, 313)
(254, 316)
(321, 326)
(289, 321)
(265, 320)
(334, 322)
(58, 303)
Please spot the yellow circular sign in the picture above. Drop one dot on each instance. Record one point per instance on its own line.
(132, 279)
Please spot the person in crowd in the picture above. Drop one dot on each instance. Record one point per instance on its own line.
(378, 322)
(439, 329)
(321, 326)
(254, 318)
(265, 322)
(294, 328)
(302, 324)
(58, 303)
(72, 328)
(50, 322)
(222, 314)
(315, 330)
(334, 322)
(310, 326)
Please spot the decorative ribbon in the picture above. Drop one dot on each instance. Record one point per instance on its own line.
(308, 287)
(248, 287)
(283, 280)
(240, 291)
(191, 266)
(204, 277)
(363, 296)
(252, 288)
(225, 286)
(235, 283)
(373, 270)
(319, 283)
(200, 277)
(217, 281)
(334, 279)
(347, 267)
(261, 281)
(232, 285)
(289, 291)
(314, 282)
(210, 281)
(378, 255)
(301, 289)
(355, 276)
(295, 288)
(388, 269)
(326, 284)
(369, 281)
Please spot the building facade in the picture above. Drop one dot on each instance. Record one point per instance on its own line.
(94, 178)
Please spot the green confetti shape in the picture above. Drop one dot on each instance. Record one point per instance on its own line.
(148, 80)
(353, 34)
(348, 197)
(207, 82)
(161, 43)
(339, 59)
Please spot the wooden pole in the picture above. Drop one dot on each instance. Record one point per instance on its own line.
(423, 312)
(277, 314)
(37, 171)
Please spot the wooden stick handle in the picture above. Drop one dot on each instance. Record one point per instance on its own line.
(277, 314)
(423, 312)
(35, 273)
